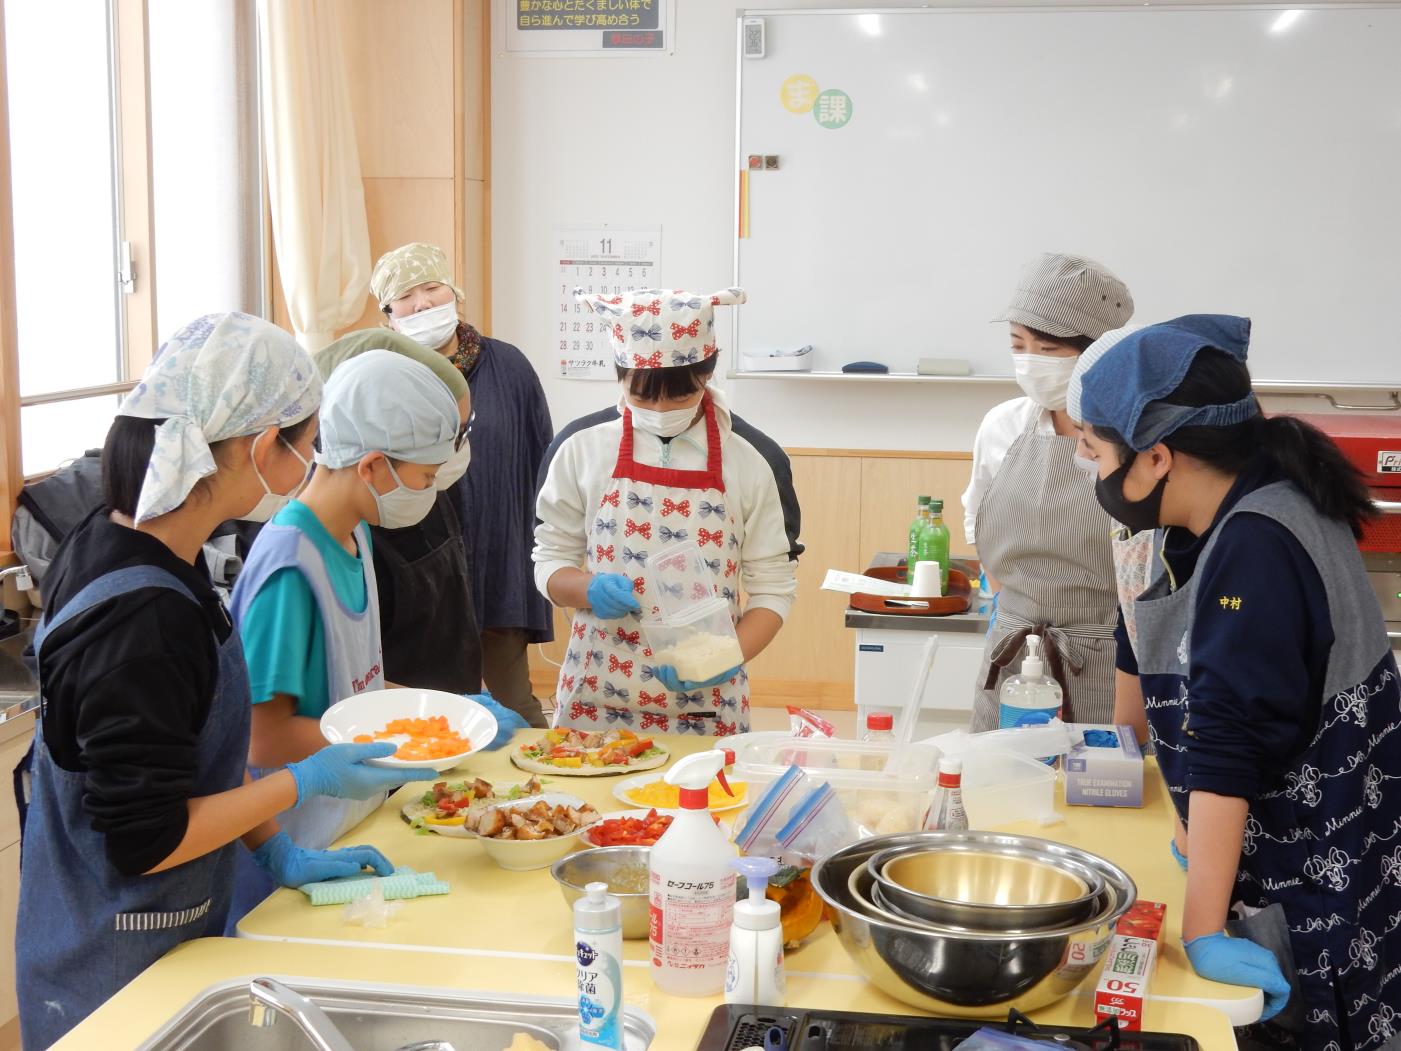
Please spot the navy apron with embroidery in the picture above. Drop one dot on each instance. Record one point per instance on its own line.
(607, 679)
(1323, 841)
(86, 929)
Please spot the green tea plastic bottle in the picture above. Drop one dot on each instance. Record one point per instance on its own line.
(933, 545)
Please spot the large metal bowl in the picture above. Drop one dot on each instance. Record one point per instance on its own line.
(980, 974)
(609, 865)
(987, 888)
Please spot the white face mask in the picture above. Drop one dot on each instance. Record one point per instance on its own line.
(662, 424)
(1084, 463)
(455, 468)
(402, 506)
(1045, 380)
(430, 328)
(271, 502)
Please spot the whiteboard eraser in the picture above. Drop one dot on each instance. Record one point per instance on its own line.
(943, 367)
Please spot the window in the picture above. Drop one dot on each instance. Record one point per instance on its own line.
(136, 187)
(206, 159)
(66, 220)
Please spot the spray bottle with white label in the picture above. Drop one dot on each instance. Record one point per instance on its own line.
(692, 887)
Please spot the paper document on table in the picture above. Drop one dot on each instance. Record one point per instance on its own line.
(851, 583)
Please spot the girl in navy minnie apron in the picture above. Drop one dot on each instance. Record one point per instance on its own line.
(669, 464)
(1268, 683)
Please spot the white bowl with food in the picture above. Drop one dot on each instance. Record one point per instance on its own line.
(533, 833)
(450, 727)
(445, 808)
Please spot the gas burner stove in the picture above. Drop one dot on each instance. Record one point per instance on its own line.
(735, 1027)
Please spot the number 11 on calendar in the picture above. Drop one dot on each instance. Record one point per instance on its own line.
(603, 259)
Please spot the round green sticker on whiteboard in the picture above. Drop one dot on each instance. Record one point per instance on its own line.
(832, 109)
(798, 93)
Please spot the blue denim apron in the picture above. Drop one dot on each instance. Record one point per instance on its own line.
(84, 929)
(1325, 841)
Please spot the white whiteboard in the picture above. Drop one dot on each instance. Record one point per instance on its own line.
(1234, 160)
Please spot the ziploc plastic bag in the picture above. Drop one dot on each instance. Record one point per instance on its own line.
(818, 826)
(771, 811)
(804, 723)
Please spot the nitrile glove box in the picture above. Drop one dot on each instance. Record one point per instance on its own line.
(1104, 766)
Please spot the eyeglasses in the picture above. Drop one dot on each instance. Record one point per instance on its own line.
(463, 432)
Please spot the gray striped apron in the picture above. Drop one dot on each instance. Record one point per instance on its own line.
(1043, 537)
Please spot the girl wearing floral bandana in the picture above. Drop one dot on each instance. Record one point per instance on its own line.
(669, 463)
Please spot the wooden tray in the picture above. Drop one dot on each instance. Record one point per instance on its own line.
(958, 599)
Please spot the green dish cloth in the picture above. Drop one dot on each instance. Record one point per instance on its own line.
(404, 883)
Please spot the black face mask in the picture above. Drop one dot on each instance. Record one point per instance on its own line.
(1135, 515)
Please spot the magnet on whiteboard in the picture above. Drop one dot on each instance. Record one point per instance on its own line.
(753, 38)
(756, 162)
(771, 162)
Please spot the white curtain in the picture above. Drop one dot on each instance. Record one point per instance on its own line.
(315, 193)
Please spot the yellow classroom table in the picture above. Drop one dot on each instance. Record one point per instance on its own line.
(136, 1013)
(519, 922)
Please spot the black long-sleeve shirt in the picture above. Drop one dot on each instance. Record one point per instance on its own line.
(127, 686)
(1261, 638)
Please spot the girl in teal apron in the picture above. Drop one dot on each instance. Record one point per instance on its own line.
(136, 792)
(1268, 683)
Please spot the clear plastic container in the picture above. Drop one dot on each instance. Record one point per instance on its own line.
(687, 624)
(876, 799)
(1000, 788)
(700, 644)
(680, 578)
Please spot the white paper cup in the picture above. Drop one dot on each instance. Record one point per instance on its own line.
(927, 582)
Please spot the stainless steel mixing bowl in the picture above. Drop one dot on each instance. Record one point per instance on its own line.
(624, 869)
(986, 887)
(969, 973)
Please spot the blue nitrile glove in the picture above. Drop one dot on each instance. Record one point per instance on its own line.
(340, 770)
(611, 597)
(1180, 857)
(666, 675)
(507, 721)
(1239, 961)
(292, 866)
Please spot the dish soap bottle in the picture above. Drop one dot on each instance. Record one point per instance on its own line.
(598, 951)
(1031, 697)
(946, 813)
(754, 973)
(692, 887)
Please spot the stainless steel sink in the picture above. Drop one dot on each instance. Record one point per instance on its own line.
(382, 1018)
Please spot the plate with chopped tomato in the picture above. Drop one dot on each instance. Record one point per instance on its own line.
(576, 753)
(434, 730)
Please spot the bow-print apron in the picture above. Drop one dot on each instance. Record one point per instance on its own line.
(608, 679)
(1043, 536)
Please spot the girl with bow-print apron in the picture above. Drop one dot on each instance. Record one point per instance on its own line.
(608, 512)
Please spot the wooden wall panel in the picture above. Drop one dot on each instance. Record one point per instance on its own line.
(399, 60)
(402, 210)
(831, 532)
(889, 488)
